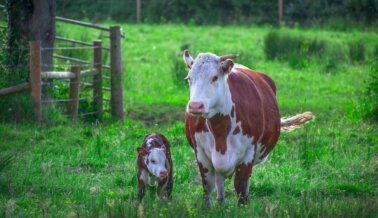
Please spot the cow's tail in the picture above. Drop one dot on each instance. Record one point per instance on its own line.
(291, 123)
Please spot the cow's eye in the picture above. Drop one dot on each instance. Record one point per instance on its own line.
(153, 161)
(215, 78)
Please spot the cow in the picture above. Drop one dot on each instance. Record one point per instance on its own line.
(155, 165)
(232, 121)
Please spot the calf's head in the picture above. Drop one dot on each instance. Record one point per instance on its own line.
(208, 82)
(155, 161)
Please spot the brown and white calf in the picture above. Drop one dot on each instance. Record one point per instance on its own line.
(232, 121)
(155, 165)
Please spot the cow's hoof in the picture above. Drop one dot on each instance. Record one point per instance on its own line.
(243, 200)
(207, 201)
(221, 201)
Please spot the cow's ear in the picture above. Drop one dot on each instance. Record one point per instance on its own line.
(188, 59)
(227, 66)
(142, 151)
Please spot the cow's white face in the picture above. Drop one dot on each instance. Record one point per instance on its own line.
(208, 84)
(155, 161)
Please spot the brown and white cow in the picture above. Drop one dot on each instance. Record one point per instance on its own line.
(232, 121)
(155, 165)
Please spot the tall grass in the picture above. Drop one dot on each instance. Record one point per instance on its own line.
(301, 50)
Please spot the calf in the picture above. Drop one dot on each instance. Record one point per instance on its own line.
(155, 165)
(232, 121)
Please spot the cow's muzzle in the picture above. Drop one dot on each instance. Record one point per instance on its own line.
(196, 108)
(163, 174)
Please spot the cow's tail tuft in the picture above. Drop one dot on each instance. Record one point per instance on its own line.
(291, 123)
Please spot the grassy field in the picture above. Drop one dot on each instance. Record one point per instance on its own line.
(329, 168)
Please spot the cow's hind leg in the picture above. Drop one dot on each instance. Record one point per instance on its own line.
(241, 183)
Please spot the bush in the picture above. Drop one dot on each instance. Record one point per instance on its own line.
(300, 51)
(357, 51)
(371, 99)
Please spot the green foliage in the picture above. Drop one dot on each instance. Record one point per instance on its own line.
(370, 100)
(225, 12)
(300, 50)
(357, 51)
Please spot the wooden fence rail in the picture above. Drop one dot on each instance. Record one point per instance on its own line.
(14, 89)
(77, 42)
(85, 24)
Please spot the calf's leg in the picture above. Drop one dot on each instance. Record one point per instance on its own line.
(141, 187)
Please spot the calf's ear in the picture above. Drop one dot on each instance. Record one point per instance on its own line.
(188, 59)
(227, 66)
(142, 151)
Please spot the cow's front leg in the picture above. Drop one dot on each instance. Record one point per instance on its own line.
(241, 183)
(141, 187)
(219, 182)
(162, 187)
(207, 175)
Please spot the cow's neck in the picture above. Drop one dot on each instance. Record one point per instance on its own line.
(225, 105)
(220, 124)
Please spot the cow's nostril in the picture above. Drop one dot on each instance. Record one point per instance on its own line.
(201, 106)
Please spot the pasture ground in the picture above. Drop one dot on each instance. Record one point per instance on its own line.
(88, 169)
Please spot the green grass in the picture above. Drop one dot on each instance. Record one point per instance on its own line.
(326, 169)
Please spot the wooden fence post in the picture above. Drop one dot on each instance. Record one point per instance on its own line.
(116, 73)
(73, 103)
(35, 77)
(138, 10)
(280, 5)
(97, 79)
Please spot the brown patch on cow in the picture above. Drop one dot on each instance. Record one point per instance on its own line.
(220, 126)
(236, 130)
(232, 112)
(255, 106)
(194, 124)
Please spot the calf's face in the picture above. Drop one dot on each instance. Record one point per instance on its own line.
(155, 161)
(208, 83)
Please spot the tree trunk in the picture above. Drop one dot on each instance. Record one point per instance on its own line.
(19, 14)
(28, 20)
(42, 27)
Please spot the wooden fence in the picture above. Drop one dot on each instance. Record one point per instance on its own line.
(37, 77)
(116, 67)
(74, 75)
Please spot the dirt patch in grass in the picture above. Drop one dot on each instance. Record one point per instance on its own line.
(157, 113)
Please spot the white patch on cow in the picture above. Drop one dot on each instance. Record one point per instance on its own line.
(205, 145)
(148, 179)
(260, 149)
(149, 142)
(155, 161)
